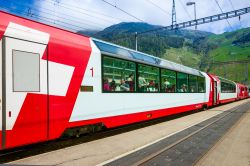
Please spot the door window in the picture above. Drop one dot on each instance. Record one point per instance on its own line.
(26, 72)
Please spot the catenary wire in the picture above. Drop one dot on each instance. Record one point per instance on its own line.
(154, 4)
(223, 12)
(73, 7)
(51, 12)
(118, 8)
(42, 18)
(185, 10)
(80, 12)
(163, 10)
(231, 3)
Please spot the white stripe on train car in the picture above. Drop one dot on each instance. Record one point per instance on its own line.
(1, 99)
(59, 75)
(59, 78)
(25, 33)
(112, 104)
(225, 96)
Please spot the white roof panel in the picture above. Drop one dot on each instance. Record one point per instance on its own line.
(123, 52)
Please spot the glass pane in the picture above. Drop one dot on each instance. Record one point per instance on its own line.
(112, 49)
(118, 75)
(182, 82)
(26, 72)
(201, 84)
(148, 78)
(227, 87)
(193, 84)
(168, 81)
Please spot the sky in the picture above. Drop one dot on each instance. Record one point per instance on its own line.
(78, 15)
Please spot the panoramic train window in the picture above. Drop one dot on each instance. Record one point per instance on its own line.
(227, 87)
(148, 78)
(201, 84)
(26, 71)
(168, 81)
(193, 84)
(118, 75)
(182, 82)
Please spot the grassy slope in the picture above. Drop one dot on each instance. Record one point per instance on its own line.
(214, 47)
(183, 56)
(227, 51)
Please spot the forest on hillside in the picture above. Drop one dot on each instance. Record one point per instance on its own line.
(226, 54)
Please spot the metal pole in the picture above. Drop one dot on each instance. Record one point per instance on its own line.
(246, 79)
(136, 41)
(173, 14)
(225, 74)
(195, 16)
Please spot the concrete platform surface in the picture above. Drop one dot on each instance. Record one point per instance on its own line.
(233, 148)
(99, 151)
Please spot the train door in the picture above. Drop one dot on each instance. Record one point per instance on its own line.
(215, 93)
(1, 94)
(25, 92)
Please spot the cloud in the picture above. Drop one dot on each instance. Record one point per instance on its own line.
(97, 15)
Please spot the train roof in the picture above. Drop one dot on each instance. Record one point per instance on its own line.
(126, 53)
(226, 80)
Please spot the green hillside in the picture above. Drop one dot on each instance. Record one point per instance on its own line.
(230, 46)
(183, 56)
(234, 47)
(222, 54)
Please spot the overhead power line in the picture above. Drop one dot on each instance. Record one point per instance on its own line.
(185, 9)
(229, 62)
(73, 7)
(234, 9)
(223, 12)
(232, 4)
(213, 18)
(90, 13)
(79, 11)
(123, 11)
(69, 18)
(36, 17)
(31, 14)
(163, 10)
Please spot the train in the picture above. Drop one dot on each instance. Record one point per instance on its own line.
(55, 81)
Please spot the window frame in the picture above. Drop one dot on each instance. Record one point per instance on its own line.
(102, 75)
(136, 79)
(175, 90)
(197, 90)
(178, 81)
(39, 70)
(204, 84)
(229, 83)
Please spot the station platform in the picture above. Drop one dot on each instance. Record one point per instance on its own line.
(113, 148)
(233, 148)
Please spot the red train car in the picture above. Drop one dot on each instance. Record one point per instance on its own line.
(242, 91)
(55, 80)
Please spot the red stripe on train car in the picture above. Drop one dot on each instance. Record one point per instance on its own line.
(227, 100)
(65, 48)
(115, 121)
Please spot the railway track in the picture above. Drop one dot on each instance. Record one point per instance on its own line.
(31, 150)
(175, 151)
